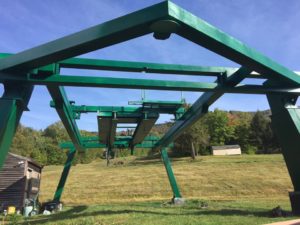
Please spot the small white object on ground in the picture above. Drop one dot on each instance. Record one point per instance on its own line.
(46, 212)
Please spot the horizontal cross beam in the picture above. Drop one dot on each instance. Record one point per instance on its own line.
(108, 82)
(145, 67)
(121, 109)
(94, 142)
(118, 144)
(126, 115)
(119, 138)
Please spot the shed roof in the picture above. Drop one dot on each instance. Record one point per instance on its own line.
(224, 147)
(28, 159)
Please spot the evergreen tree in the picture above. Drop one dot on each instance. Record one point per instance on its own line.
(262, 135)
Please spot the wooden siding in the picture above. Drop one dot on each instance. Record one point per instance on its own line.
(19, 179)
(12, 182)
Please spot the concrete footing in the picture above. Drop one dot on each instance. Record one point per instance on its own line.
(178, 201)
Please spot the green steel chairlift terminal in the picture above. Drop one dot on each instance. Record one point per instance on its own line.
(42, 65)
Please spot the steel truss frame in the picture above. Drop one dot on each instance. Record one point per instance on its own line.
(41, 66)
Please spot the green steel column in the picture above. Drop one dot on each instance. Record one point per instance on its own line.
(108, 155)
(64, 175)
(131, 150)
(172, 179)
(12, 104)
(286, 125)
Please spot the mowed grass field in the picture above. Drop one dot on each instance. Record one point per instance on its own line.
(237, 190)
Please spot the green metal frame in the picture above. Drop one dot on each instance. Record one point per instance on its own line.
(64, 175)
(200, 108)
(172, 179)
(12, 104)
(109, 82)
(120, 142)
(41, 66)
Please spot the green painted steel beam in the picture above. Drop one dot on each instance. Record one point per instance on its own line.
(208, 36)
(8, 121)
(86, 145)
(199, 109)
(106, 34)
(144, 22)
(122, 109)
(94, 142)
(63, 108)
(171, 176)
(145, 67)
(121, 117)
(117, 144)
(12, 104)
(146, 103)
(153, 107)
(64, 175)
(87, 109)
(286, 125)
(127, 66)
(4, 55)
(108, 82)
(119, 138)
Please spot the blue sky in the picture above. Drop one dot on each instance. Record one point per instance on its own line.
(269, 26)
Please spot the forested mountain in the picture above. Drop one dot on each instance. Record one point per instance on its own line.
(251, 130)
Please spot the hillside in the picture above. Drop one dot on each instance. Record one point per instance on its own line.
(252, 131)
(238, 190)
(208, 177)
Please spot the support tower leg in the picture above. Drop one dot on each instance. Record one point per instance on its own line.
(177, 198)
(64, 175)
(286, 125)
(108, 155)
(131, 150)
(12, 104)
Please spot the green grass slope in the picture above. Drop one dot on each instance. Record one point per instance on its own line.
(237, 189)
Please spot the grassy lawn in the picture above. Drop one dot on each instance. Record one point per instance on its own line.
(237, 189)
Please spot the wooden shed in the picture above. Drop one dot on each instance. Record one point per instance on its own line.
(226, 150)
(19, 180)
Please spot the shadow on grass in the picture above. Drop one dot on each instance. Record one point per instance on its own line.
(145, 162)
(153, 160)
(234, 212)
(78, 212)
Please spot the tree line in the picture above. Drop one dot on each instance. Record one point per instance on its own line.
(252, 131)
(43, 145)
